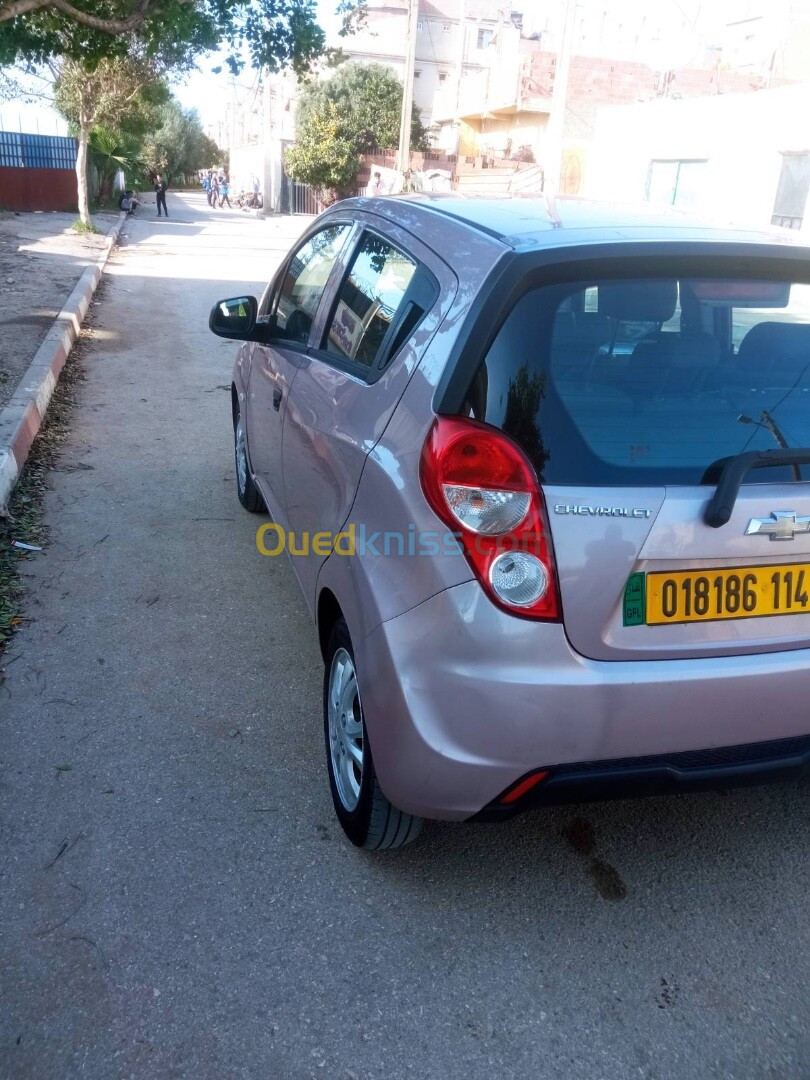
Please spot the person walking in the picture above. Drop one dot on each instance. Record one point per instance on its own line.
(224, 188)
(160, 194)
(214, 200)
(206, 184)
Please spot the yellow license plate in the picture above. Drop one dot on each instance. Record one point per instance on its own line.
(744, 592)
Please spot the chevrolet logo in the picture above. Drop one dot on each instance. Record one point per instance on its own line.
(781, 525)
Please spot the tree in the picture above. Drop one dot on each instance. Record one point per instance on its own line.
(111, 93)
(276, 33)
(324, 155)
(177, 144)
(113, 150)
(356, 111)
(369, 100)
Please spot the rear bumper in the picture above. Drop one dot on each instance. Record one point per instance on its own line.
(673, 774)
(462, 700)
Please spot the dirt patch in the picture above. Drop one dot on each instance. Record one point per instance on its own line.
(24, 524)
(41, 260)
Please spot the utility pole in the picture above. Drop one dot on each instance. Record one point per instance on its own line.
(553, 154)
(404, 155)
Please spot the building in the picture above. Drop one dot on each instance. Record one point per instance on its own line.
(452, 36)
(741, 158)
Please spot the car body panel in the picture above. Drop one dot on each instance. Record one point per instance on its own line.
(599, 552)
(462, 699)
(335, 418)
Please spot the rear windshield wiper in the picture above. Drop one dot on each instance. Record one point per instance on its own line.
(728, 474)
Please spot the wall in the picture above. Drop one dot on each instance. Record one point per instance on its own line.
(37, 189)
(740, 136)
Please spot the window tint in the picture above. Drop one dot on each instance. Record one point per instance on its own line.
(370, 299)
(650, 381)
(304, 281)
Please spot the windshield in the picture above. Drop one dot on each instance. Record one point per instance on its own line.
(650, 381)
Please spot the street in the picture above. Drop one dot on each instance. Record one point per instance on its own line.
(176, 896)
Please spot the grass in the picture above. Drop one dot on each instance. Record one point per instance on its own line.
(25, 507)
(84, 227)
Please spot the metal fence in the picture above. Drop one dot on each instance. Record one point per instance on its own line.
(21, 151)
(303, 199)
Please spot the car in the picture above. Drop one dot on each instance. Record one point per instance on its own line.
(541, 468)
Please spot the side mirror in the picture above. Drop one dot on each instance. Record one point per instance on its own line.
(235, 318)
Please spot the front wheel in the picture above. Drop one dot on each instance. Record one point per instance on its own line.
(367, 817)
(249, 495)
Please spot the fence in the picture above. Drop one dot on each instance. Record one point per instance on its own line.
(37, 172)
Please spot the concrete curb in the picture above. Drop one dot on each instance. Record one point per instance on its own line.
(22, 418)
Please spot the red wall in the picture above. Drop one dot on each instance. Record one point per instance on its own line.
(37, 189)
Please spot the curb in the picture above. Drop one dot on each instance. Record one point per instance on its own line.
(22, 417)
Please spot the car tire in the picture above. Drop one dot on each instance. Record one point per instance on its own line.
(369, 820)
(249, 495)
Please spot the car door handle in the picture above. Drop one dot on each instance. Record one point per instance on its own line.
(276, 399)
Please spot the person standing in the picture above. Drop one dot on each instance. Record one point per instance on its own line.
(214, 200)
(206, 183)
(224, 188)
(160, 194)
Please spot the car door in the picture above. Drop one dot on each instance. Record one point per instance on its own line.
(377, 324)
(289, 305)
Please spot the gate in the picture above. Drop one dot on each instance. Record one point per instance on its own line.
(298, 198)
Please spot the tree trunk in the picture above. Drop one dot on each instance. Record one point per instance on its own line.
(81, 171)
(106, 189)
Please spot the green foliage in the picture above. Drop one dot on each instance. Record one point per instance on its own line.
(177, 145)
(369, 100)
(325, 154)
(113, 93)
(276, 33)
(80, 226)
(112, 150)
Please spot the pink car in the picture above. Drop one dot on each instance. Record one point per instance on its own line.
(540, 470)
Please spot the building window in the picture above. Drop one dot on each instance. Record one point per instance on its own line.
(484, 38)
(420, 25)
(417, 74)
(675, 183)
(442, 76)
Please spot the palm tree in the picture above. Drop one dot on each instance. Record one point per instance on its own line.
(112, 151)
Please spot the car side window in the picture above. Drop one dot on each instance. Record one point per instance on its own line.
(375, 297)
(304, 280)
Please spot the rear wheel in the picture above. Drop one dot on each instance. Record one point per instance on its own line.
(368, 818)
(249, 495)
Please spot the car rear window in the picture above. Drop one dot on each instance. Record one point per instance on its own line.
(649, 381)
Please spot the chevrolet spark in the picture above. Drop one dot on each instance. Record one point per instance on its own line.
(541, 470)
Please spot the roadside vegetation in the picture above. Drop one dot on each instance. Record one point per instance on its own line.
(111, 61)
(24, 523)
(357, 111)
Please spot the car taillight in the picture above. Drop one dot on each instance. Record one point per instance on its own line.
(483, 487)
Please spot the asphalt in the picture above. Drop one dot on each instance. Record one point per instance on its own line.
(176, 898)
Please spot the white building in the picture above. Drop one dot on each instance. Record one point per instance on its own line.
(742, 158)
(452, 37)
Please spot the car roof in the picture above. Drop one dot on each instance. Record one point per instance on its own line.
(526, 223)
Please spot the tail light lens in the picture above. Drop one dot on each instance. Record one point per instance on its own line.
(484, 488)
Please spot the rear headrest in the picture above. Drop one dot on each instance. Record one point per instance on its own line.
(638, 301)
(775, 345)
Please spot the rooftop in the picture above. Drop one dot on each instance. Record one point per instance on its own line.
(523, 222)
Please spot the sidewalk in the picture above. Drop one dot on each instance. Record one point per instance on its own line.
(49, 273)
(41, 260)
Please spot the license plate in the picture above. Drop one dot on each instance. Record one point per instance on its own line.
(744, 592)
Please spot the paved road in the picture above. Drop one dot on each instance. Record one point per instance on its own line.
(207, 919)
